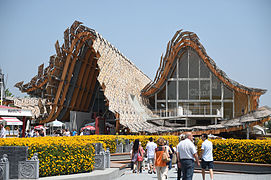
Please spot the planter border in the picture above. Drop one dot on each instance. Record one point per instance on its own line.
(240, 167)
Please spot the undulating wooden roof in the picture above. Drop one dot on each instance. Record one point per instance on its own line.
(184, 39)
(86, 58)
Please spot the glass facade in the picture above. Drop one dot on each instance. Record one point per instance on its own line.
(193, 90)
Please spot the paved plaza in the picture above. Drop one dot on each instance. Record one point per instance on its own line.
(172, 175)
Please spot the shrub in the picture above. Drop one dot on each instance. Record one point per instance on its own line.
(68, 155)
(234, 150)
(58, 155)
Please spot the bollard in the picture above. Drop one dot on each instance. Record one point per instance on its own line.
(29, 169)
(107, 158)
(4, 167)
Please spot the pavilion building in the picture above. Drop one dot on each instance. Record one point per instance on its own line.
(189, 93)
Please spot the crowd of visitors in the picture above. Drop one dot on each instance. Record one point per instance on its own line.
(41, 132)
(155, 158)
(160, 157)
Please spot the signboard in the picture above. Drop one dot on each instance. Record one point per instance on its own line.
(15, 112)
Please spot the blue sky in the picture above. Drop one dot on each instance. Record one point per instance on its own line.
(235, 33)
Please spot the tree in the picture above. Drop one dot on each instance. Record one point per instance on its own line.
(268, 125)
(8, 93)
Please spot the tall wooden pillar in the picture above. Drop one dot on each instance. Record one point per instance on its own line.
(97, 128)
(24, 126)
(117, 122)
(248, 131)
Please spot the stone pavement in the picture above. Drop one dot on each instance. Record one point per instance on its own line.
(107, 174)
(172, 175)
(126, 174)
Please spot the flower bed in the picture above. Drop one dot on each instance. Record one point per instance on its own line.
(58, 155)
(68, 155)
(234, 150)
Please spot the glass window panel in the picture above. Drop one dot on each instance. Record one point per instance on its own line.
(193, 89)
(183, 66)
(152, 102)
(183, 109)
(216, 88)
(161, 109)
(172, 90)
(183, 90)
(228, 94)
(228, 110)
(161, 105)
(216, 108)
(174, 74)
(204, 71)
(205, 89)
(194, 108)
(204, 108)
(162, 94)
(172, 108)
(193, 64)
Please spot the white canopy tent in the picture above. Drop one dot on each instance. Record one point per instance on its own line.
(55, 123)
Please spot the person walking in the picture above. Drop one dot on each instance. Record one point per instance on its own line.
(207, 156)
(150, 149)
(74, 132)
(66, 132)
(179, 169)
(160, 164)
(186, 154)
(3, 132)
(169, 163)
(137, 156)
(28, 134)
(141, 158)
(42, 133)
(171, 153)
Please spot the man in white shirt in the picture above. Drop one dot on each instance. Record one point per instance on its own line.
(3, 131)
(186, 153)
(66, 132)
(150, 148)
(207, 156)
(179, 167)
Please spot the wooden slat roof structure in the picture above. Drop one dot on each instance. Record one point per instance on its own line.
(184, 39)
(68, 82)
(86, 59)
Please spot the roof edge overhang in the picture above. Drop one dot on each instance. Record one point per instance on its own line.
(189, 39)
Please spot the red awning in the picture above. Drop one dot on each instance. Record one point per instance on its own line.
(88, 128)
(7, 107)
(11, 121)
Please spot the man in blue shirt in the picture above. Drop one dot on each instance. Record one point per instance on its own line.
(74, 132)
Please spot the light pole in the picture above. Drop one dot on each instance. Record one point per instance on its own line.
(2, 85)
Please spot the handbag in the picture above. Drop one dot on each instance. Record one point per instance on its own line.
(174, 158)
(134, 159)
(165, 156)
(139, 157)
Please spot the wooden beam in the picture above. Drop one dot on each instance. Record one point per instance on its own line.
(87, 80)
(54, 113)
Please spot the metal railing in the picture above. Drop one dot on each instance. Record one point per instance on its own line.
(190, 111)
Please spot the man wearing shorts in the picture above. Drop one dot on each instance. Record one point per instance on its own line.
(207, 156)
(150, 148)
